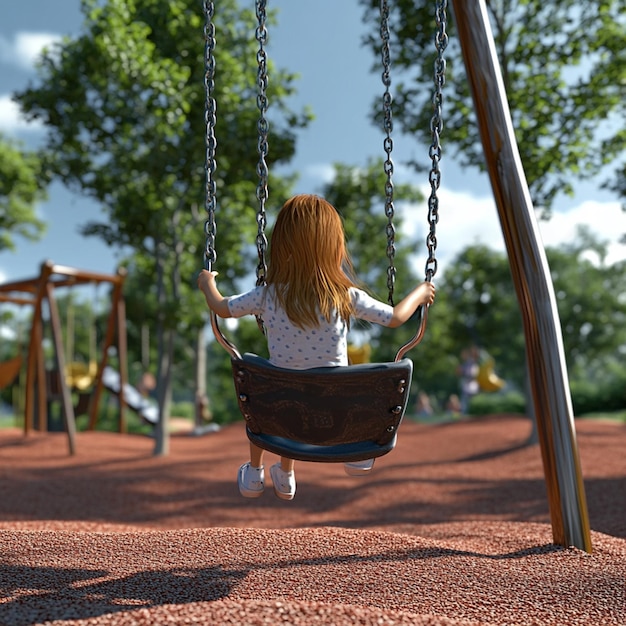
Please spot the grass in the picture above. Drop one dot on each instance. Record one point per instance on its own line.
(618, 417)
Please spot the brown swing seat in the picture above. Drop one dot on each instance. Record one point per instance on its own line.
(327, 414)
(9, 371)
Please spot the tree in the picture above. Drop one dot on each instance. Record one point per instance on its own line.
(562, 65)
(23, 183)
(591, 304)
(124, 106)
(484, 311)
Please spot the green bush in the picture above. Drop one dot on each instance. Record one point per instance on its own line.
(496, 403)
(606, 395)
(183, 409)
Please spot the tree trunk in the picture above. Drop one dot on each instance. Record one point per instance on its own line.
(164, 361)
(201, 400)
(164, 391)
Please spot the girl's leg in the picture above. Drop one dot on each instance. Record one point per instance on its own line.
(256, 455)
(286, 464)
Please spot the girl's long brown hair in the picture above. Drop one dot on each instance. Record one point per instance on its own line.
(309, 265)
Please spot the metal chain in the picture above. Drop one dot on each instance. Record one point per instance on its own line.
(262, 144)
(436, 126)
(388, 146)
(210, 202)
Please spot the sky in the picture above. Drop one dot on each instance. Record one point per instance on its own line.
(336, 81)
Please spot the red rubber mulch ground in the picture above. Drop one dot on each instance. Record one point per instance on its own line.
(451, 528)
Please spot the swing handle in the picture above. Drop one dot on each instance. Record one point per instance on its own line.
(421, 329)
(222, 339)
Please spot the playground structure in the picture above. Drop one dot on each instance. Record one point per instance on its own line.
(41, 385)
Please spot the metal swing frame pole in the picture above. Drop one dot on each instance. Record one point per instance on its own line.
(531, 277)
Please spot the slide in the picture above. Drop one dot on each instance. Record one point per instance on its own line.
(134, 400)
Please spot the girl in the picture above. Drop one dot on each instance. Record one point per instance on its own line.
(306, 306)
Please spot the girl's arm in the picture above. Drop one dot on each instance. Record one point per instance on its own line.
(216, 301)
(421, 295)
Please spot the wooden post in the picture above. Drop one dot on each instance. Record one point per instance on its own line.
(531, 277)
(116, 323)
(66, 396)
(119, 306)
(34, 352)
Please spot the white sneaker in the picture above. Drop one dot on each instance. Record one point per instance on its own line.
(359, 468)
(251, 481)
(284, 482)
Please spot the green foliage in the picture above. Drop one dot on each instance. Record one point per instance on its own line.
(124, 104)
(590, 300)
(603, 392)
(184, 409)
(483, 309)
(108, 421)
(23, 183)
(476, 304)
(498, 403)
(563, 70)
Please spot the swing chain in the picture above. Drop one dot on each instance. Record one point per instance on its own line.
(262, 144)
(210, 254)
(388, 146)
(436, 126)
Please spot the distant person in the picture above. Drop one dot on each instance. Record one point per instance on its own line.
(453, 405)
(203, 412)
(423, 407)
(307, 305)
(468, 374)
(147, 384)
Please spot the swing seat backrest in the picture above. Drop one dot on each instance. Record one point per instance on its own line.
(326, 414)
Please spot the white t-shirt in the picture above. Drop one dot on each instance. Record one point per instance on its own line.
(297, 348)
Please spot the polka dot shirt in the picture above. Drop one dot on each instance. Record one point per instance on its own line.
(293, 347)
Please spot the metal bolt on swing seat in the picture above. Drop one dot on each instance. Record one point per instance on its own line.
(402, 386)
(243, 397)
(396, 410)
(391, 428)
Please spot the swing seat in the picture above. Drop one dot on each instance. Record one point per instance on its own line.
(328, 414)
(81, 376)
(488, 380)
(9, 371)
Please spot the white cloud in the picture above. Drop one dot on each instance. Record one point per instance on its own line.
(322, 173)
(25, 48)
(466, 220)
(11, 118)
(605, 219)
(7, 333)
(22, 52)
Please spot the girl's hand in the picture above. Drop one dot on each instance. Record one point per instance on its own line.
(206, 279)
(216, 301)
(427, 292)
